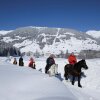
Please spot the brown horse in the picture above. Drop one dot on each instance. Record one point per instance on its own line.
(75, 71)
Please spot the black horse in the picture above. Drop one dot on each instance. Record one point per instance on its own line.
(75, 71)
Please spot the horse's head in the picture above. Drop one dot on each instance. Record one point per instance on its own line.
(83, 64)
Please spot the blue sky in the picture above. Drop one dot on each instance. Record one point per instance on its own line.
(81, 15)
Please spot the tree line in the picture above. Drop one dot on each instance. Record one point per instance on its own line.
(9, 51)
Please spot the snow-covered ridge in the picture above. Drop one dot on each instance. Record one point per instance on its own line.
(93, 33)
(3, 32)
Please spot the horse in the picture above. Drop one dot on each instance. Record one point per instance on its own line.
(53, 70)
(75, 71)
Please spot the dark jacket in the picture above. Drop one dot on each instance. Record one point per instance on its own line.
(50, 61)
(21, 63)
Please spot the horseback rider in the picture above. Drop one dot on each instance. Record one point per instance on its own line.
(49, 62)
(32, 63)
(72, 59)
(15, 61)
(21, 63)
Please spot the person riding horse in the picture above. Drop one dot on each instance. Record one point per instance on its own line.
(21, 63)
(15, 61)
(32, 63)
(72, 59)
(49, 62)
(75, 71)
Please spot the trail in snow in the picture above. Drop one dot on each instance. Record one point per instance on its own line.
(56, 36)
(24, 83)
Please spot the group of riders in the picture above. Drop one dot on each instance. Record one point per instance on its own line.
(49, 62)
(21, 63)
(73, 68)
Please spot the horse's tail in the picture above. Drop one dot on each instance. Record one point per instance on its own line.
(67, 66)
(65, 70)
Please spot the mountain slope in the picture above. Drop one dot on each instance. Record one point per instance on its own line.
(3, 32)
(50, 40)
(94, 34)
(24, 83)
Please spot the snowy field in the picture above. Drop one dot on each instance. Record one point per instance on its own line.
(24, 83)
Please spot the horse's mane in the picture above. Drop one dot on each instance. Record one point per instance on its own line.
(80, 62)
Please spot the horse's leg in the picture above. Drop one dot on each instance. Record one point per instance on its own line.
(79, 84)
(66, 77)
(47, 68)
(73, 80)
(66, 73)
(56, 69)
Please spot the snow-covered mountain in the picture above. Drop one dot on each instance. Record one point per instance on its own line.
(51, 40)
(3, 32)
(93, 33)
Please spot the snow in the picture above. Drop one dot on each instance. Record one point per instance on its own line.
(73, 44)
(24, 83)
(18, 37)
(33, 47)
(3, 32)
(93, 33)
(69, 33)
(8, 39)
(24, 43)
(56, 36)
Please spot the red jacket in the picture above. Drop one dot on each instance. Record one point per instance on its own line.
(31, 62)
(72, 59)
